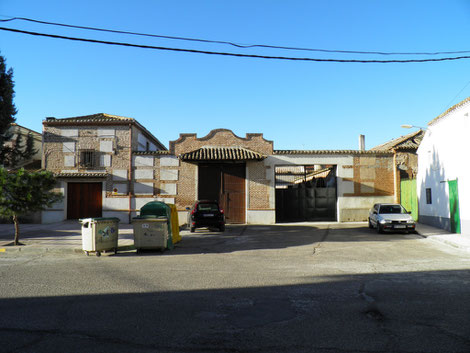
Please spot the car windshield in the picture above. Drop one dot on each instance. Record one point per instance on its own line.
(391, 209)
(207, 207)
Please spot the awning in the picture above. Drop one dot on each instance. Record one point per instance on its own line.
(222, 154)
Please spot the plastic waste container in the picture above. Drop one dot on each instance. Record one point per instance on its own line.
(159, 209)
(175, 225)
(150, 232)
(100, 234)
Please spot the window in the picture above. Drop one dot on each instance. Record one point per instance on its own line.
(87, 159)
(428, 196)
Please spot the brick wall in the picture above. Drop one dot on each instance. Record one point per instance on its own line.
(258, 186)
(373, 176)
(223, 138)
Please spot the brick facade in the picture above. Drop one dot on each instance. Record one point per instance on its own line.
(133, 176)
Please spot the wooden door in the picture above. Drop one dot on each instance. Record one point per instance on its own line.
(84, 200)
(233, 192)
(226, 184)
(454, 206)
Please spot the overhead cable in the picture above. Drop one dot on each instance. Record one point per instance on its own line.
(232, 54)
(244, 46)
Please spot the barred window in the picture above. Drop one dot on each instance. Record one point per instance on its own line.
(428, 196)
(87, 158)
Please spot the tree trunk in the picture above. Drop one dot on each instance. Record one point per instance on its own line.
(17, 230)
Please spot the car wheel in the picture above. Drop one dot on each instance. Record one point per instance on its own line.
(379, 228)
(192, 229)
(370, 224)
(222, 228)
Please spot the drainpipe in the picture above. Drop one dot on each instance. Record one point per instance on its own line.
(130, 174)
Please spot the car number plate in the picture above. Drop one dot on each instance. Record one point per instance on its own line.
(208, 215)
(400, 226)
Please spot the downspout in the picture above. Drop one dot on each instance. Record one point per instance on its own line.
(130, 174)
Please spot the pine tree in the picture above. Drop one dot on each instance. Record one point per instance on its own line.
(10, 156)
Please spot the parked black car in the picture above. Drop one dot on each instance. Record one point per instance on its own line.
(206, 213)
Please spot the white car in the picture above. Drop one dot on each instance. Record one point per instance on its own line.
(391, 217)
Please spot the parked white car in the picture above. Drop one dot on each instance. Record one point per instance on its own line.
(390, 217)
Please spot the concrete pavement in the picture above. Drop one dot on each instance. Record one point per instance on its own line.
(443, 236)
(66, 236)
(63, 236)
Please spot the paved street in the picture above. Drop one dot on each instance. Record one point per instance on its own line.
(284, 288)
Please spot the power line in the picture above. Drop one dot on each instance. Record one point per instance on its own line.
(232, 54)
(244, 46)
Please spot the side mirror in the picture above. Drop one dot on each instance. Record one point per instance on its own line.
(409, 212)
(375, 212)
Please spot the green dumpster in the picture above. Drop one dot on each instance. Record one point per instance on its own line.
(159, 209)
(100, 234)
(150, 232)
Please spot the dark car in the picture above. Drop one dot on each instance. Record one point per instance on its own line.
(206, 213)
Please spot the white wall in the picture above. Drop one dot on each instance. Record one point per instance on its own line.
(347, 207)
(442, 156)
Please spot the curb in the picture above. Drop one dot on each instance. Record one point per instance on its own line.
(29, 248)
(439, 238)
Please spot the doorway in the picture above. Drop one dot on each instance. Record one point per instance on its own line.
(224, 182)
(84, 200)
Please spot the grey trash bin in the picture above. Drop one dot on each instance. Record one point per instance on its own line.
(150, 232)
(100, 234)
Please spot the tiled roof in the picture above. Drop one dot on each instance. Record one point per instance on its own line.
(150, 153)
(221, 153)
(458, 105)
(101, 119)
(81, 175)
(355, 152)
(410, 141)
(94, 118)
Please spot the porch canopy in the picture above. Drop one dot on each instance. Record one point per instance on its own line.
(221, 154)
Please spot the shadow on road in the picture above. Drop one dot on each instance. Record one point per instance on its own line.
(394, 312)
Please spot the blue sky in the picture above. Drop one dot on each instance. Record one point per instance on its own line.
(298, 105)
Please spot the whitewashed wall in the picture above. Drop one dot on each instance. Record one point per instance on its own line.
(443, 156)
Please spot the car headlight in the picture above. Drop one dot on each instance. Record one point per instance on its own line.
(410, 221)
(383, 221)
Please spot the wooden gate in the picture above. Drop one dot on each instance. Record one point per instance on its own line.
(226, 184)
(84, 200)
(408, 197)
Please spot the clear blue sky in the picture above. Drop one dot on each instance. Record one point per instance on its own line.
(299, 105)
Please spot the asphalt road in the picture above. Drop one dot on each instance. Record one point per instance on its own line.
(298, 288)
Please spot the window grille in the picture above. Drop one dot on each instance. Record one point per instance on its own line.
(87, 159)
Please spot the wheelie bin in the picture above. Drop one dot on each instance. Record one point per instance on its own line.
(100, 234)
(152, 229)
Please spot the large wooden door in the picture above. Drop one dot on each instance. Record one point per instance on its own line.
(226, 184)
(84, 200)
(232, 198)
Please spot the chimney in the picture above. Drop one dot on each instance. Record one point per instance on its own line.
(362, 143)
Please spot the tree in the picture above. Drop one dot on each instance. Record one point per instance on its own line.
(10, 154)
(22, 192)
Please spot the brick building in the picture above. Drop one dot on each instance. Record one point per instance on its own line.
(111, 166)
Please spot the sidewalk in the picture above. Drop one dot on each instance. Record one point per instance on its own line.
(64, 236)
(443, 236)
(67, 236)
